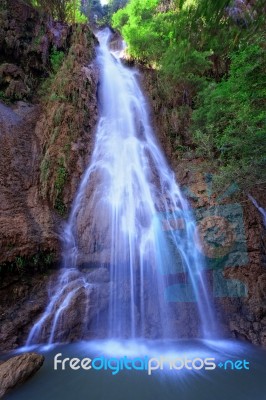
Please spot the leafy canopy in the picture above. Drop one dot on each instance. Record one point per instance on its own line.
(213, 53)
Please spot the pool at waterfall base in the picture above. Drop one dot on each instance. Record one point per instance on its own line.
(239, 371)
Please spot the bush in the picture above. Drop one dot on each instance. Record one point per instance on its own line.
(214, 57)
(229, 122)
(56, 59)
(62, 10)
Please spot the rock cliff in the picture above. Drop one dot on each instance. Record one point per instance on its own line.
(46, 118)
(230, 226)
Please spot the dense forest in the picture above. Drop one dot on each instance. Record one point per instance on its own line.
(79, 11)
(211, 55)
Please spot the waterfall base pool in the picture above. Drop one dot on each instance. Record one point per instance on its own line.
(236, 381)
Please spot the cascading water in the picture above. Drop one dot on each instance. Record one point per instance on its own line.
(128, 218)
(259, 208)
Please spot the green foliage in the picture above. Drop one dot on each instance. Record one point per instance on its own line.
(57, 97)
(62, 10)
(37, 39)
(137, 24)
(230, 121)
(56, 59)
(42, 260)
(66, 112)
(60, 207)
(23, 265)
(107, 11)
(45, 165)
(211, 56)
(61, 176)
(181, 41)
(20, 263)
(60, 180)
(74, 13)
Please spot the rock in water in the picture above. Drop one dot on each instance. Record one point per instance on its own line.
(18, 369)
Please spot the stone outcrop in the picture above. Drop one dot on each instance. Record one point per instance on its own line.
(68, 122)
(17, 370)
(22, 301)
(234, 246)
(26, 40)
(47, 119)
(44, 149)
(231, 228)
(27, 224)
(43, 144)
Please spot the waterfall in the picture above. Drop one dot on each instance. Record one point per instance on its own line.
(129, 219)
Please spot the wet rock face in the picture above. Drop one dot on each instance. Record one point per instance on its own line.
(247, 315)
(56, 133)
(26, 222)
(170, 113)
(230, 227)
(43, 148)
(34, 157)
(77, 297)
(22, 301)
(68, 122)
(17, 370)
(26, 40)
(233, 242)
(12, 79)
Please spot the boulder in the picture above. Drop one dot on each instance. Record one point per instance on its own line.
(18, 369)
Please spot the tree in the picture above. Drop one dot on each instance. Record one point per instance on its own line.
(214, 63)
(62, 10)
(229, 122)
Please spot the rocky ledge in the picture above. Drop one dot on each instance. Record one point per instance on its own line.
(17, 370)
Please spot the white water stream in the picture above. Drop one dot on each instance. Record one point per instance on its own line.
(130, 215)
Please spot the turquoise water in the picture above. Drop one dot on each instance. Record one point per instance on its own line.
(218, 384)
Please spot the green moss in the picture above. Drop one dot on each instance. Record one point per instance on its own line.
(22, 265)
(56, 59)
(61, 176)
(60, 207)
(44, 259)
(58, 115)
(37, 40)
(45, 169)
(54, 134)
(65, 103)
(56, 97)
(60, 180)
(67, 148)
